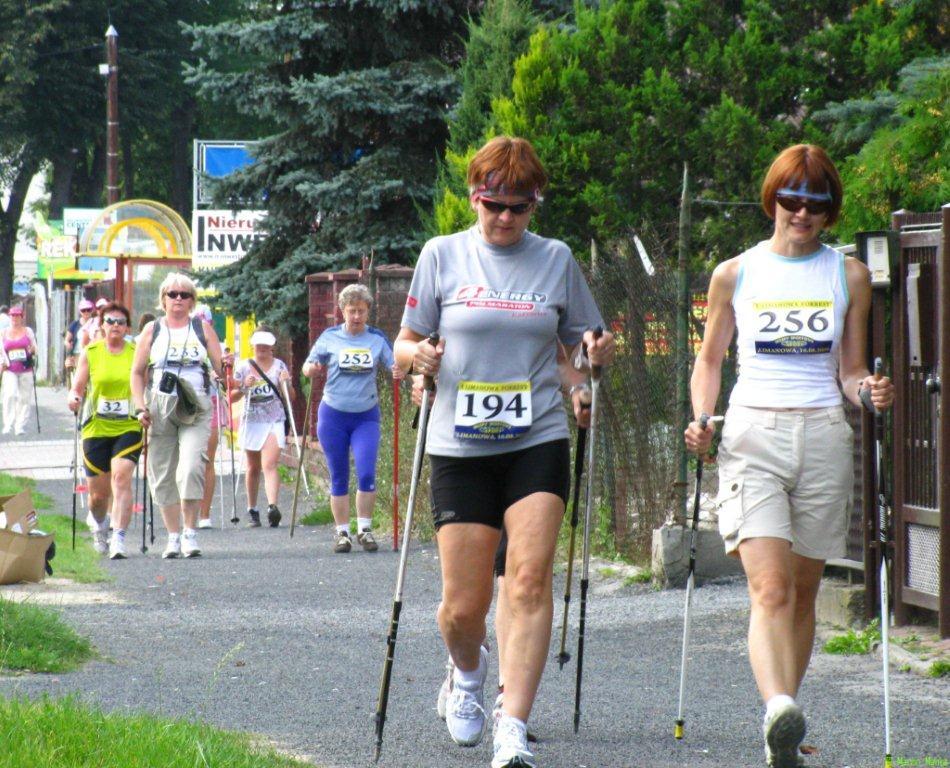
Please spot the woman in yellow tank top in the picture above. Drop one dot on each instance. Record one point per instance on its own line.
(111, 435)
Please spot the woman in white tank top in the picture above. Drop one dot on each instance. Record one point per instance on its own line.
(800, 312)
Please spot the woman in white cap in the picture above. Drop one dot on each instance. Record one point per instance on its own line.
(260, 380)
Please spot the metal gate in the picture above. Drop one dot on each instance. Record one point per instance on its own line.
(920, 334)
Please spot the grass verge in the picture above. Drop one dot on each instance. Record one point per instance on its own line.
(35, 639)
(939, 669)
(67, 734)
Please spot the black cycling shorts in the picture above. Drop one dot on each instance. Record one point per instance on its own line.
(480, 489)
(98, 452)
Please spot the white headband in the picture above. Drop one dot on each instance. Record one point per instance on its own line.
(263, 337)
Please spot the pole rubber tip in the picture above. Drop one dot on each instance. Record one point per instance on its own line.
(678, 729)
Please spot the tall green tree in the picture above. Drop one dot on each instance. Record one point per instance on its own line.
(496, 38)
(359, 93)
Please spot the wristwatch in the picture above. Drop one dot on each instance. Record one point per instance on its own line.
(139, 411)
(585, 387)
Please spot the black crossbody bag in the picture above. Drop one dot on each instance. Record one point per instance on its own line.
(283, 405)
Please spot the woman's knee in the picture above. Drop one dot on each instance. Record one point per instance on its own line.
(528, 587)
(772, 591)
(464, 610)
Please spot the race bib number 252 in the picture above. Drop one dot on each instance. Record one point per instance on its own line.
(490, 411)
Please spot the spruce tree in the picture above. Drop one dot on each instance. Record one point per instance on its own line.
(359, 91)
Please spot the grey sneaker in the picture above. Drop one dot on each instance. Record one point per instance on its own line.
(465, 714)
(100, 540)
(255, 518)
(343, 543)
(445, 689)
(367, 539)
(784, 729)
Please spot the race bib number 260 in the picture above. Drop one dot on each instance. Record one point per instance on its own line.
(804, 327)
(490, 411)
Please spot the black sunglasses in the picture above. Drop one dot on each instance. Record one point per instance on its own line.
(495, 207)
(179, 295)
(114, 320)
(794, 203)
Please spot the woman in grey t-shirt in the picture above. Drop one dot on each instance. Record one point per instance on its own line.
(500, 298)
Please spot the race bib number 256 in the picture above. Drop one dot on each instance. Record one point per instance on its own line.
(490, 411)
(804, 327)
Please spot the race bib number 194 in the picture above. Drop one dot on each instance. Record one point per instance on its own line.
(804, 327)
(489, 411)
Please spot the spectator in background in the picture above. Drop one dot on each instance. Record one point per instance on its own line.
(72, 340)
(4, 317)
(16, 364)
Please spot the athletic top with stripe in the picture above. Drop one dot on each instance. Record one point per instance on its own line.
(108, 408)
(351, 362)
(790, 315)
(501, 311)
(172, 346)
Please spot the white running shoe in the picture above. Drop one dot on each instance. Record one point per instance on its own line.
(189, 544)
(117, 546)
(465, 707)
(511, 744)
(205, 522)
(173, 547)
(445, 689)
(784, 729)
(100, 540)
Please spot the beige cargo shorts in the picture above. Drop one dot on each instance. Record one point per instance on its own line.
(787, 475)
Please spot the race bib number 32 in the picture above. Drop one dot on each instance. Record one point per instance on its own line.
(489, 411)
(113, 409)
(804, 327)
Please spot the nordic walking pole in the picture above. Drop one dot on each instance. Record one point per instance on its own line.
(36, 402)
(145, 491)
(884, 549)
(585, 572)
(563, 657)
(219, 460)
(704, 419)
(300, 468)
(396, 399)
(427, 386)
(75, 471)
(293, 431)
(234, 514)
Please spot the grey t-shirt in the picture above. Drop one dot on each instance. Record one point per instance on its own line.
(501, 311)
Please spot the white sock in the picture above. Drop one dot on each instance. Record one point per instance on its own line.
(189, 532)
(779, 700)
(120, 533)
(364, 524)
(470, 679)
(174, 536)
(343, 529)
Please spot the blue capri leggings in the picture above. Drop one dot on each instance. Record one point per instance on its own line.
(338, 431)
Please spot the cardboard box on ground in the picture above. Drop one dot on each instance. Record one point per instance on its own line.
(23, 550)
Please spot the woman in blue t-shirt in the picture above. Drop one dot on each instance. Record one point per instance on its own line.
(349, 411)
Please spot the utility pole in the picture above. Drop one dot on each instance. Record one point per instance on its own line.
(684, 307)
(112, 142)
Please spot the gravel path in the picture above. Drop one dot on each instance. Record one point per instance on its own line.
(282, 638)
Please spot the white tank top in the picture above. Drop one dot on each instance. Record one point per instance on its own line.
(789, 317)
(179, 345)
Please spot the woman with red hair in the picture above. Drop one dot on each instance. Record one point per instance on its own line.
(501, 299)
(785, 469)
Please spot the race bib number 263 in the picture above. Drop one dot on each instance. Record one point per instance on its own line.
(804, 327)
(490, 411)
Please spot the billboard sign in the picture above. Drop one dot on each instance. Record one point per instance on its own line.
(217, 159)
(220, 238)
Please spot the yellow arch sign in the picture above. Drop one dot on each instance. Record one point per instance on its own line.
(143, 229)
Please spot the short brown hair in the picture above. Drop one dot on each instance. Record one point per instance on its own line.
(507, 163)
(806, 163)
(114, 306)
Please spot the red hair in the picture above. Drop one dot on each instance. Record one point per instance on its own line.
(507, 163)
(806, 163)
